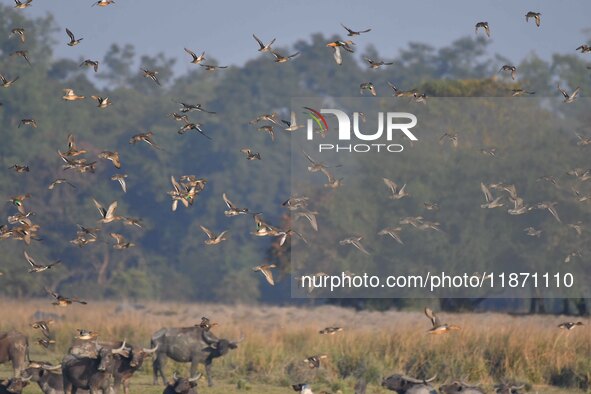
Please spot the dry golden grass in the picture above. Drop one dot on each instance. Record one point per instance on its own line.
(489, 347)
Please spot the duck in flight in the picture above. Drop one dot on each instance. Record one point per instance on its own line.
(73, 41)
(264, 47)
(352, 33)
(438, 326)
(196, 59)
(483, 25)
(35, 268)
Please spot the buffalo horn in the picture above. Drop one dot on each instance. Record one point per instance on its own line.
(119, 350)
(418, 381)
(195, 378)
(49, 367)
(150, 351)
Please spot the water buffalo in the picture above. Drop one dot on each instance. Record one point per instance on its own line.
(125, 363)
(88, 373)
(14, 347)
(47, 376)
(14, 385)
(182, 385)
(125, 366)
(196, 345)
(460, 387)
(406, 385)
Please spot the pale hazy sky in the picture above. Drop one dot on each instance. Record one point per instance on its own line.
(223, 28)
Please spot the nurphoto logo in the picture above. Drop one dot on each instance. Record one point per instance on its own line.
(395, 122)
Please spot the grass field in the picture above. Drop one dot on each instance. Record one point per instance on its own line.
(490, 347)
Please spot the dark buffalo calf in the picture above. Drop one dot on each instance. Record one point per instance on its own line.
(14, 385)
(125, 366)
(182, 385)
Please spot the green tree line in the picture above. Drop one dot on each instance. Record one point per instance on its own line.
(170, 260)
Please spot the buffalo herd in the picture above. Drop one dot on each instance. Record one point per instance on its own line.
(95, 366)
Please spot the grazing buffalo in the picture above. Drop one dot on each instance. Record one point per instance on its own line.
(14, 385)
(460, 387)
(195, 345)
(182, 385)
(406, 385)
(91, 373)
(47, 376)
(14, 347)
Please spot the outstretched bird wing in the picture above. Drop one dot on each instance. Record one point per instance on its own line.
(433, 317)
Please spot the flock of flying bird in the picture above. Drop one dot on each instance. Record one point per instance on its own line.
(186, 189)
